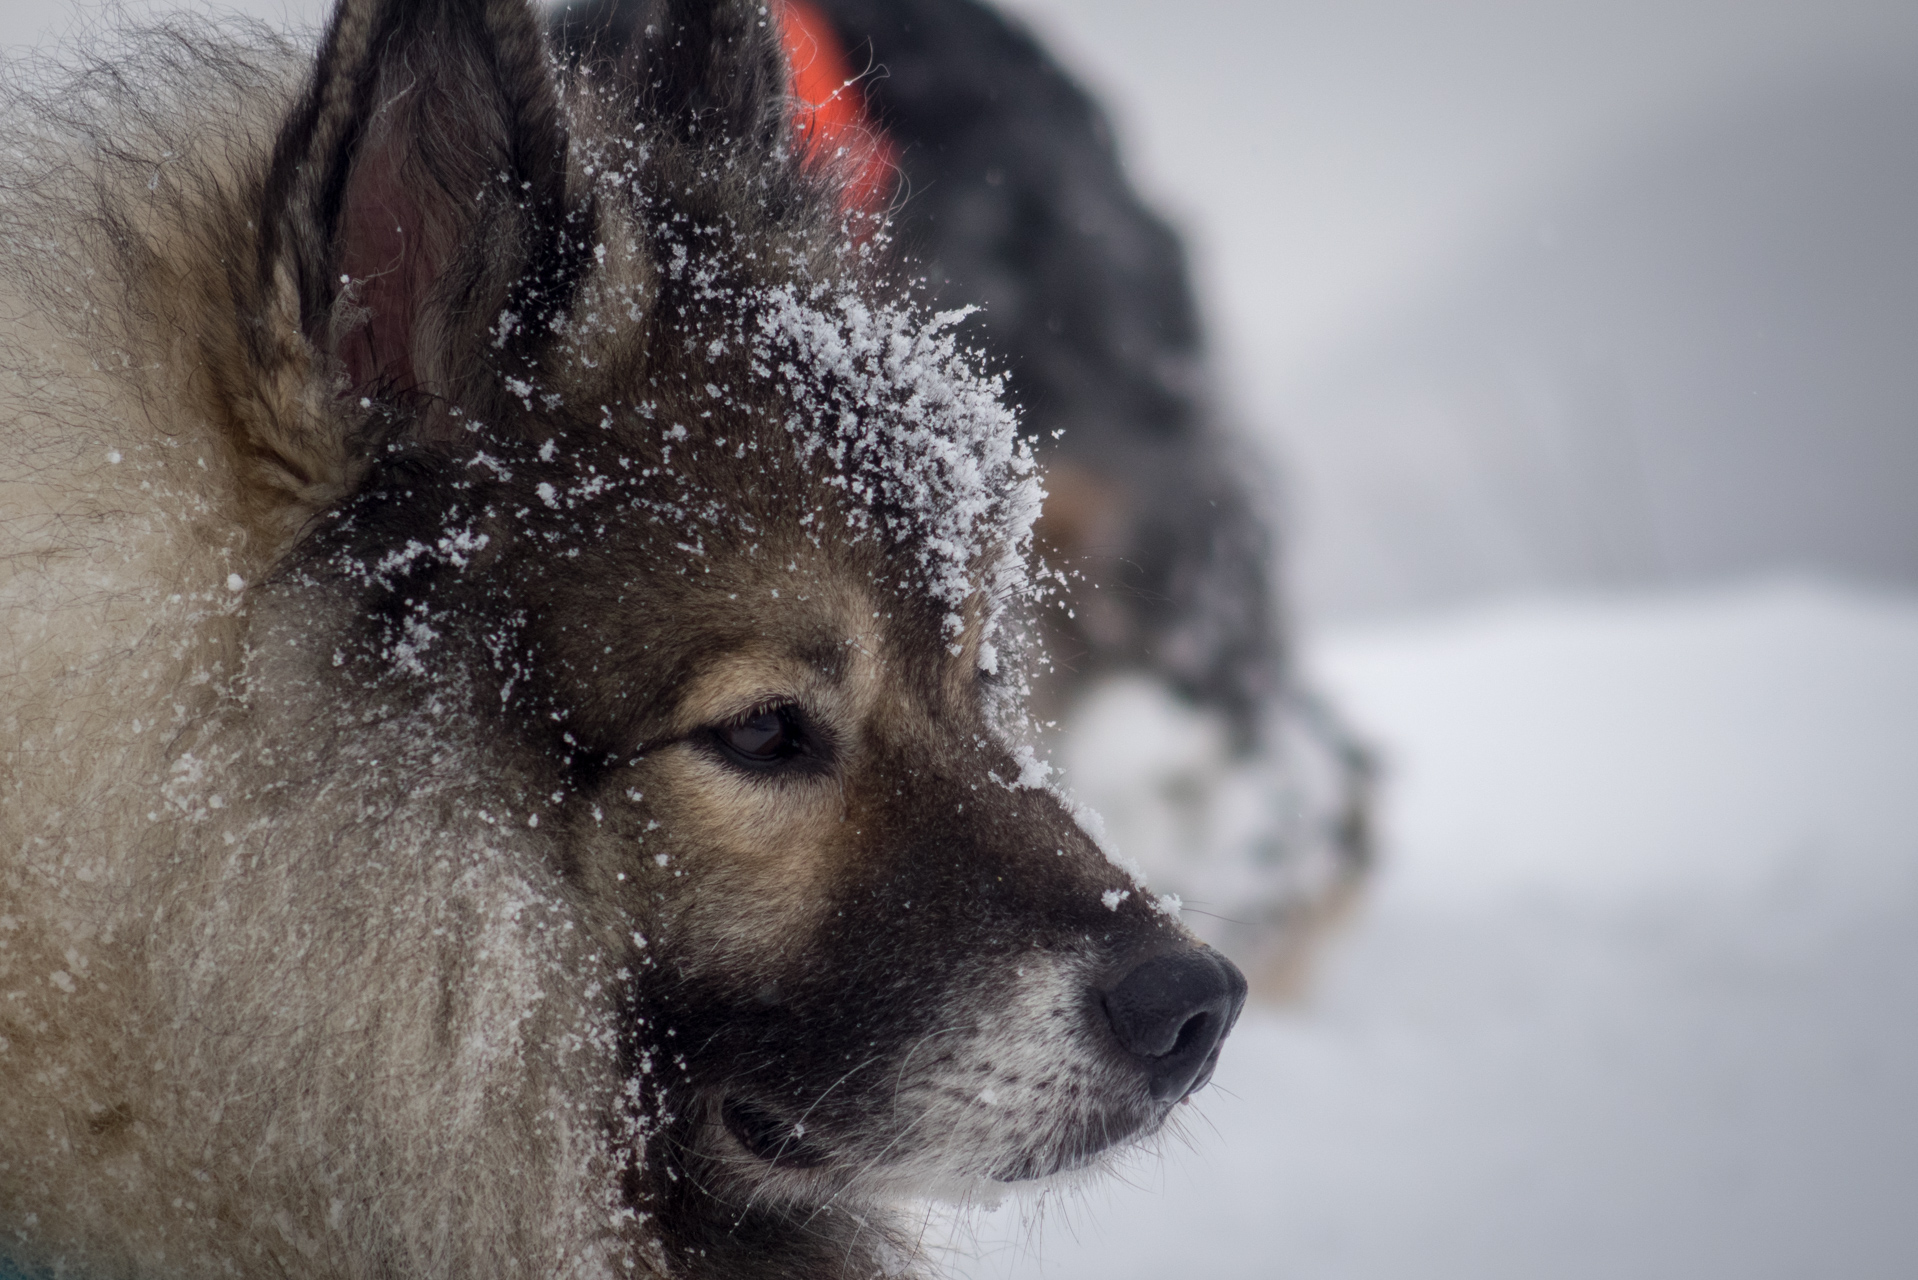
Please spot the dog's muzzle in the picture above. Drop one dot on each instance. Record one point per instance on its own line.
(1025, 1100)
(1171, 1014)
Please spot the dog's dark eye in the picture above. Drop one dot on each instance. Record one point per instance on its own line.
(763, 738)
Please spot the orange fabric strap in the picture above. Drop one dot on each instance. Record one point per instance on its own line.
(830, 123)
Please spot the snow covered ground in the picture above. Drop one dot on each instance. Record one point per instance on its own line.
(1635, 994)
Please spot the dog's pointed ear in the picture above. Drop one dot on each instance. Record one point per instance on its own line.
(715, 71)
(706, 71)
(416, 194)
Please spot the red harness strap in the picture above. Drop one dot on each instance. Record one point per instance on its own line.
(830, 123)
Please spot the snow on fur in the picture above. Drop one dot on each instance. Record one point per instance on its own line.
(920, 438)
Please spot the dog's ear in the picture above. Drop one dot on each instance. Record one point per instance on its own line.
(416, 196)
(714, 72)
(710, 72)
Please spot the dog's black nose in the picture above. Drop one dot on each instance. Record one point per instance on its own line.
(1173, 1012)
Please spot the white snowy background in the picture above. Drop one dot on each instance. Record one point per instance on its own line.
(1635, 995)
(1585, 337)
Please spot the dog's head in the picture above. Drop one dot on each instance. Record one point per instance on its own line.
(713, 545)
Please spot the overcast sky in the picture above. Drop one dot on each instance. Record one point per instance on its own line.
(1333, 159)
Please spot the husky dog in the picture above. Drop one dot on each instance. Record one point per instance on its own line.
(509, 741)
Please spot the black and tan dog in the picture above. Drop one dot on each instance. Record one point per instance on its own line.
(509, 691)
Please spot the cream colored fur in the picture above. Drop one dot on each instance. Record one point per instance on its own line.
(156, 923)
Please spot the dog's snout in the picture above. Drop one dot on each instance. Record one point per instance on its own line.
(1173, 1012)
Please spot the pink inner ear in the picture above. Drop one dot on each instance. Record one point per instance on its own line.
(383, 252)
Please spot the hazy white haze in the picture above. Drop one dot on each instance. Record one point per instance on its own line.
(1536, 295)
